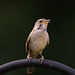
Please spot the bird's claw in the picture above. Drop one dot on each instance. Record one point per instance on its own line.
(28, 58)
(41, 59)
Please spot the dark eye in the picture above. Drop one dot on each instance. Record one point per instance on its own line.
(40, 21)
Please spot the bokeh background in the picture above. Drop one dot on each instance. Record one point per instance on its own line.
(17, 19)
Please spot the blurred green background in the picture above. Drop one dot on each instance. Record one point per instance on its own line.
(17, 19)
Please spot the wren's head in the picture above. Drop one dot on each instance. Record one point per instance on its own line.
(41, 24)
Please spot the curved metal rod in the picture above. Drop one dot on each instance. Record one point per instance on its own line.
(36, 63)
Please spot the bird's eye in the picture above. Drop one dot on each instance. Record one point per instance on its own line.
(40, 21)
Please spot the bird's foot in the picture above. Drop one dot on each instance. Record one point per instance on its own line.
(41, 59)
(28, 58)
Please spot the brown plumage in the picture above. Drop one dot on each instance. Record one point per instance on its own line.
(37, 40)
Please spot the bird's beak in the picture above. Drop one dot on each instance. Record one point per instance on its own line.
(46, 21)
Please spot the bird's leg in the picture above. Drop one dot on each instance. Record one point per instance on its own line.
(42, 57)
(28, 56)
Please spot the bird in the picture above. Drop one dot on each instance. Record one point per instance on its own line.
(37, 40)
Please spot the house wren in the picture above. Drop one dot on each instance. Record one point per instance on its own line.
(37, 40)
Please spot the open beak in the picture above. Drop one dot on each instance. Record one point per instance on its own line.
(46, 21)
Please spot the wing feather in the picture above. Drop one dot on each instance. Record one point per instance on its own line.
(27, 43)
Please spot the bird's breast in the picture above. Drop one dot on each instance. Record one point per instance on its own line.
(38, 41)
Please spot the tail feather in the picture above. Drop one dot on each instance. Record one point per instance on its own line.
(30, 70)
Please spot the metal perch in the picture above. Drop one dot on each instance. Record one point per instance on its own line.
(50, 64)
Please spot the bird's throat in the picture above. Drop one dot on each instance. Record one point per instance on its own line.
(41, 28)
